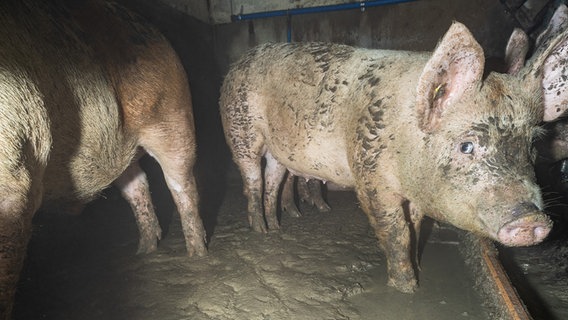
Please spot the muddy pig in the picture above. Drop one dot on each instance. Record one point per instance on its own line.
(552, 168)
(554, 146)
(85, 88)
(412, 133)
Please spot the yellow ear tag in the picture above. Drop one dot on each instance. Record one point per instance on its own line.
(439, 91)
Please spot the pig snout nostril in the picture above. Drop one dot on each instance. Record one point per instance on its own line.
(541, 233)
(528, 230)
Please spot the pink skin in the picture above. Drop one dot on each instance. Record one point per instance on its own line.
(135, 189)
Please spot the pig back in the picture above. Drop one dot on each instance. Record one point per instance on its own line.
(310, 99)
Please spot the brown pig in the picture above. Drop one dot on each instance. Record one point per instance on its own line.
(85, 88)
(412, 133)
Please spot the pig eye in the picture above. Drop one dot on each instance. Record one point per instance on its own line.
(466, 147)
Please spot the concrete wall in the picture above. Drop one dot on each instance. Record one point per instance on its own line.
(198, 9)
(413, 26)
(221, 10)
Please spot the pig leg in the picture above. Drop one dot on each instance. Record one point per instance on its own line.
(15, 230)
(393, 233)
(287, 198)
(252, 181)
(178, 174)
(273, 174)
(17, 207)
(316, 198)
(134, 187)
(416, 218)
(247, 146)
(173, 148)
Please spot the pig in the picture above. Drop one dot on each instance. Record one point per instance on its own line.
(413, 133)
(552, 147)
(309, 191)
(86, 88)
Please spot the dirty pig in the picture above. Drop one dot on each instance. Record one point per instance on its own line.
(552, 162)
(413, 134)
(85, 88)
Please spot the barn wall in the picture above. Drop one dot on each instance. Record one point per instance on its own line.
(409, 26)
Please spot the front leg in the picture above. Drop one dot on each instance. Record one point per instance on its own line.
(386, 216)
(134, 187)
(21, 197)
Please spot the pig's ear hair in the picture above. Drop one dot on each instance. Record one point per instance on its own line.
(455, 67)
(516, 51)
(549, 65)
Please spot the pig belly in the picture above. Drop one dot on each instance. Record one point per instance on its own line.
(324, 161)
(82, 173)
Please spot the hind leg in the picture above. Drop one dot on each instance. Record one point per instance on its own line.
(174, 149)
(252, 189)
(247, 147)
(134, 187)
(273, 175)
(250, 167)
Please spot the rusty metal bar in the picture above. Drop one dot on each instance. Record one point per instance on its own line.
(507, 292)
(492, 281)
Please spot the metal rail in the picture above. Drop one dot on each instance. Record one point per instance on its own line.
(362, 5)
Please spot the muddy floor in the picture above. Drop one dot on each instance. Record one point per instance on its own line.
(319, 266)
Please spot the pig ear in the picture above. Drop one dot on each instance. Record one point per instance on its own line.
(516, 51)
(455, 67)
(557, 24)
(549, 65)
(555, 82)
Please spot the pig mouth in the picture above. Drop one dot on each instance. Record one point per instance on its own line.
(525, 231)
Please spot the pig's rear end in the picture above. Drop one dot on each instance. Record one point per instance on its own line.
(84, 87)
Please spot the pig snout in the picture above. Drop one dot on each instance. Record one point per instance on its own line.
(529, 227)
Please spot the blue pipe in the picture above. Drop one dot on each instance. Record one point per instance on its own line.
(335, 7)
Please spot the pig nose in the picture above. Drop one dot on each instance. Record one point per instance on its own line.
(530, 226)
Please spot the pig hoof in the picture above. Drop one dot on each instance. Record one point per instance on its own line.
(147, 246)
(273, 226)
(526, 231)
(258, 225)
(197, 250)
(323, 207)
(292, 211)
(148, 241)
(403, 286)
